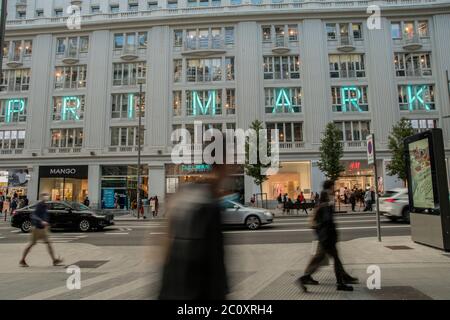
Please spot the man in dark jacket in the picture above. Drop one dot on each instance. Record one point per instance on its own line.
(40, 222)
(326, 232)
(194, 268)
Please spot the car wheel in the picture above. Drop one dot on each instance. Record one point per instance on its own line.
(405, 214)
(252, 222)
(25, 226)
(84, 226)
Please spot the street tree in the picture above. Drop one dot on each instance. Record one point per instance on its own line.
(397, 165)
(331, 151)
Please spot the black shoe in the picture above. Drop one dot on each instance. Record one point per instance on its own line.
(348, 279)
(344, 287)
(309, 280)
(301, 284)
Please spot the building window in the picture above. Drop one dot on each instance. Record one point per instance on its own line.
(72, 46)
(282, 33)
(20, 14)
(39, 13)
(409, 29)
(423, 124)
(95, 9)
(130, 41)
(13, 110)
(16, 80)
(230, 103)
(59, 12)
(267, 33)
(396, 30)
(412, 64)
(347, 66)
(229, 35)
(73, 77)
(69, 108)
(134, 7)
(67, 138)
(177, 70)
(283, 100)
(152, 5)
(126, 74)
(114, 8)
(172, 4)
(16, 50)
(346, 31)
(203, 70)
(125, 137)
(204, 102)
(416, 97)
(229, 68)
(12, 139)
(288, 132)
(126, 106)
(281, 67)
(177, 102)
(349, 99)
(353, 130)
(331, 31)
(178, 38)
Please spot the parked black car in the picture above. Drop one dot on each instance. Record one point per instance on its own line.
(64, 215)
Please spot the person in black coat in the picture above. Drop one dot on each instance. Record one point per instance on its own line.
(194, 268)
(325, 228)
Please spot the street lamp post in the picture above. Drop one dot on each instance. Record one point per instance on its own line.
(140, 81)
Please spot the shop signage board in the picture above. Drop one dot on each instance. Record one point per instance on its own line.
(370, 149)
(80, 172)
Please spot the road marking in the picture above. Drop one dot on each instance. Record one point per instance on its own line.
(15, 231)
(2, 237)
(310, 230)
(339, 222)
(153, 233)
(119, 233)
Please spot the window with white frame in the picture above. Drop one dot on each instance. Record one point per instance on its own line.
(416, 97)
(72, 46)
(126, 106)
(125, 136)
(13, 110)
(349, 99)
(16, 50)
(177, 102)
(66, 138)
(95, 9)
(353, 130)
(152, 5)
(70, 77)
(58, 12)
(203, 70)
(347, 66)
(114, 8)
(130, 41)
(412, 64)
(177, 70)
(12, 139)
(126, 74)
(133, 7)
(230, 102)
(280, 35)
(70, 108)
(281, 67)
(409, 29)
(283, 100)
(204, 102)
(15, 80)
(287, 131)
(204, 38)
(423, 124)
(344, 31)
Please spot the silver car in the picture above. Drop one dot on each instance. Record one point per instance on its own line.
(236, 214)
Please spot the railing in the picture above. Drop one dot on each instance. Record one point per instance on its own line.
(291, 145)
(228, 6)
(123, 149)
(411, 39)
(204, 43)
(11, 151)
(64, 150)
(354, 144)
(345, 40)
(280, 41)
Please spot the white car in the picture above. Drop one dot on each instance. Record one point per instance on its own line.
(394, 204)
(236, 214)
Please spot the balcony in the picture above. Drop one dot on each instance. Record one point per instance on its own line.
(11, 151)
(64, 150)
(346, 44)
(294, 146)
(203, 46)
(412, 42)
(281, 45)
(124, 149)
(129, 53)
(71, 57)
(354, 145)
(14, 60)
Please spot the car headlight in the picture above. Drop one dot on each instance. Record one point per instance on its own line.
(268, 214)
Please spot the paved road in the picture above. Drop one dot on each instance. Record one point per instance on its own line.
(283, 230)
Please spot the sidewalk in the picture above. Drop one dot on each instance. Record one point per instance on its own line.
(265, 271)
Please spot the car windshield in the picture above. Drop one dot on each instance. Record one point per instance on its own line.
(78, 206)
(227, 204)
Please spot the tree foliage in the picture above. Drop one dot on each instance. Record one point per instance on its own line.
(331, 151)
(400, 131)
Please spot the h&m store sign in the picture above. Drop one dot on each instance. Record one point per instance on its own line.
(80, 172)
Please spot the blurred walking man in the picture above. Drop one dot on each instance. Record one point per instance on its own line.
(325, 228)
(40, 222)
